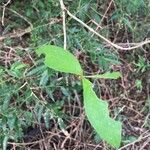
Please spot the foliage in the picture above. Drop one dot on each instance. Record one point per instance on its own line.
(98, 115)
(60, 60)
(31, 94)
(96, 110)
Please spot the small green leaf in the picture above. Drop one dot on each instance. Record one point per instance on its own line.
(47, 118)
(40, 113)
(1, 71)
(107, 75)
(36, 70)
(11, 121)
(5, 142)
(98, 115)
(59, 59)
(44, 78)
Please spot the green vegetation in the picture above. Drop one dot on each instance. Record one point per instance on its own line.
(96, 110)
(43, 108)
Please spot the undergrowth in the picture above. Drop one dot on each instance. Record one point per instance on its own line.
(35, 100)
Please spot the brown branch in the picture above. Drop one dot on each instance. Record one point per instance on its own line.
(64, 23)
(137, 45)
(28, 30)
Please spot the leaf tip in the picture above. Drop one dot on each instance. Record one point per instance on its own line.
(118, 75)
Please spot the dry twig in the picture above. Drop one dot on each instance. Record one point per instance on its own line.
(137, 45)
(3, 13)
(64, 23)
(138, 140)
(28, 30)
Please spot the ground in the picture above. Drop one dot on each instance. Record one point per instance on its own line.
(43, 109)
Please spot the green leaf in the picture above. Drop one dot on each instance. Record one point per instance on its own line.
(98, 115)
(40, 113)
(36, 70)
(59, 59)
(44, 78)
(18, 66)
(11, 121)
(107, 75)
(47, 119)
(5, 142)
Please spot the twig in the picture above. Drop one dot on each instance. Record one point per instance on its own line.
(106, 12)
(28, 30)
(21, 16)
(17, 34)
(138, 140)
(103, 38)
(3, 13)
(103, 17)
(64, 23)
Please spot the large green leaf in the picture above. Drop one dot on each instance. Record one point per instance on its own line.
(98, 115)
(59, 59)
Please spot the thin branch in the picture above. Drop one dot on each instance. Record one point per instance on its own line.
(21, 16)
(28, 30)
(17, 34)
(138, 140)
(64, 23)
(104, 16)
(3, 13)
(137, 45)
